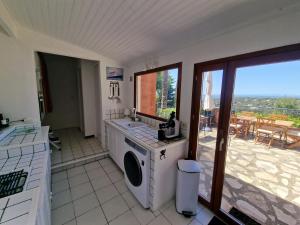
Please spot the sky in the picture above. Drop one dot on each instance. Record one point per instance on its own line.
(278, 79)
(174, 74)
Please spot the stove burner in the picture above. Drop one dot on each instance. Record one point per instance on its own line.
(12, 183)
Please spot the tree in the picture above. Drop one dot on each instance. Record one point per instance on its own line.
(164, 94)
(287, 103)
(159, 89)
(171, 92)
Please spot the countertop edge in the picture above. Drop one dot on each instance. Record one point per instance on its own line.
(127, 134)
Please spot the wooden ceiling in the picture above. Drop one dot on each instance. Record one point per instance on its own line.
(126, 30)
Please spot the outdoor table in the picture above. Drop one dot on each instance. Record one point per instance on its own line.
(279, 123)
(250, 119)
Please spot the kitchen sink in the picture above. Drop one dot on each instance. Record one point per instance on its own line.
(136, 124)
(127, 124)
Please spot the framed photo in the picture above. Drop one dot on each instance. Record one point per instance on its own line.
(113, 73)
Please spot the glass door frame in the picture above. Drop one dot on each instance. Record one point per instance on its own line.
(229, 66)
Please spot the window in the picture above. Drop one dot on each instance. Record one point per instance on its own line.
(157, 91)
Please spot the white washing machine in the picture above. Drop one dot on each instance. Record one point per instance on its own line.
(137, 171)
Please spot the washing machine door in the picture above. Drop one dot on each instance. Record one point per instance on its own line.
(133, 169)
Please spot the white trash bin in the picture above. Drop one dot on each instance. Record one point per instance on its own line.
(188, 176)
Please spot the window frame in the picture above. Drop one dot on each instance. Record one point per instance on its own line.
(178, 88)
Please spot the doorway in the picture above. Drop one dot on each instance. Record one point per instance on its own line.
(245, 134)
(70, 103)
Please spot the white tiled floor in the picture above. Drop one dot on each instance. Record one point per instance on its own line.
(96, 194)
(74, 146)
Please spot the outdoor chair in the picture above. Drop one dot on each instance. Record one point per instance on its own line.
(235, 128)
(293, 134)
(266, 128)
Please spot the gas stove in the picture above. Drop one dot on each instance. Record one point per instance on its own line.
(12, 183)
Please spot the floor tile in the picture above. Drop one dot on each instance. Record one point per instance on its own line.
(156, 213)
(105, 162)
(167, 205)
(101, 182)
(63, 214)
(75, 171)
(74, 146)
(92, 165)
(111, 167)
(160, 220)
(86, 203)
(121, 186)
(116, 176)
(97, 149)
(60, 186)
(81, 190)
(106, 193)
(115, 207)
(175, 218)
(59, 176)
(78, 179)
(95, 173)
(67, 157)
(125, 219)
(61, 198)
(144, 216)
(195, 222)
(93, 217)
(204, 215)
(72, 222)
(130, 199)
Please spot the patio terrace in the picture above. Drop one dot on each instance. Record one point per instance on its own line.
(262, 182)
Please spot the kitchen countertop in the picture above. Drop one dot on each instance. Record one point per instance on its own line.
(23, 146)
(145, 135)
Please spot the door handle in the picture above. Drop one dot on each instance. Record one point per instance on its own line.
(221, 144)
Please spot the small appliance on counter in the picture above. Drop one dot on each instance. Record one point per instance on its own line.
(170, 129)
(3, 122)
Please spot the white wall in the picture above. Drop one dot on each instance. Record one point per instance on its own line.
(18, 92)
(273, 33)
(63, 91)
(89, 71)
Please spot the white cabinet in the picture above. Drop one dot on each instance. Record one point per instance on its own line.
(44, 204)
(163, 174)
(120, 149)
(116, 145)
(163, 170)
(110, 143)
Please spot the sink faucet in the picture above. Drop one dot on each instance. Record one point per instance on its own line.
(134, 113)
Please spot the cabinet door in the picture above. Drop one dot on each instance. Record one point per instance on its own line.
(114, 144)
(109, 138)
(111, 135)
(120, 150)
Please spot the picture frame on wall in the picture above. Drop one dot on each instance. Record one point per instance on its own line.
(114, 73)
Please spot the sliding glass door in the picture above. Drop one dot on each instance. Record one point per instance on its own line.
(262, 166)
(207, 139)
(245, 134)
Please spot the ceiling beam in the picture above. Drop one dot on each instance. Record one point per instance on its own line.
(7, 23)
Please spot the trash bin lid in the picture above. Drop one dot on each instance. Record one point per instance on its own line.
(189, 166)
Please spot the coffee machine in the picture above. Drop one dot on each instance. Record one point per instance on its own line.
(169, 129)
(3, 122)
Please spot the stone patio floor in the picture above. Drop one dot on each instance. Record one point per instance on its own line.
(263, 183)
